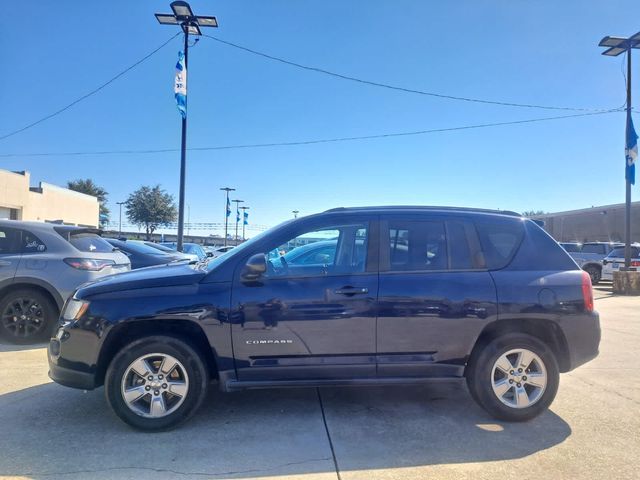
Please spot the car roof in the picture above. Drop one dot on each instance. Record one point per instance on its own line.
(43, 226)
(419, 209)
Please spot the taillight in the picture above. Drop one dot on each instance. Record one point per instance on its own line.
(587, 292)
(90, 264)
(635, 263)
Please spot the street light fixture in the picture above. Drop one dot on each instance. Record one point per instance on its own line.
(616, 46)
(190, 24)
(238, 202)
(295, 213)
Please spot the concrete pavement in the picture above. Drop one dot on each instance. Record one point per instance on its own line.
(592, 430)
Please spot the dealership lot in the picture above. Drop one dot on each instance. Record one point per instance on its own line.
(592, 430)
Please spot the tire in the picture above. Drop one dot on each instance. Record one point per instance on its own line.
(595, 273)
(27, 316)
(189, 379)
(487, 368)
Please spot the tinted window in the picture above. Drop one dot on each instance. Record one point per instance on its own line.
(417, 246)
(460, 256)
(618, 252)
(594, 248)
(8, 241)
(90, 242)
(499, 240)
(571, 247)
(339, 250)
(31, 243)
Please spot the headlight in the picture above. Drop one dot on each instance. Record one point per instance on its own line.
(74, 309)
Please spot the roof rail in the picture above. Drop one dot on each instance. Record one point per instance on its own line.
(425, 207)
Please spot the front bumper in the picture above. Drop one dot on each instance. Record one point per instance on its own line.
(582, 333)
(71, 378)
(71, 363)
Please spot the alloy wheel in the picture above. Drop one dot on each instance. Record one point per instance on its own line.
(155, 385)
(23, 317)
(519, 378)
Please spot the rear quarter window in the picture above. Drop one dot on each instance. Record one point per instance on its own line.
(90, 242)
(31, 243)
(499, 239)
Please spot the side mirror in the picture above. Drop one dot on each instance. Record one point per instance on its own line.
(604, 262)
(209, 254)
(255, 267)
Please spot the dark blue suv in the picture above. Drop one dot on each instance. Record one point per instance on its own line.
(387, 295)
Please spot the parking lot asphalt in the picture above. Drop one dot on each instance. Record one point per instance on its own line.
(592, 430)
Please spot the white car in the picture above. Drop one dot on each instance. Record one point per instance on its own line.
(218, 252)
(615, 260)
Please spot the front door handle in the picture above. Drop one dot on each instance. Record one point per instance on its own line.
(349, 291)
(4, 263)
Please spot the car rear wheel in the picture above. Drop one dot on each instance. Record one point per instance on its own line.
(156, 382)
(515, 377)
(595, 273)
(26, 316)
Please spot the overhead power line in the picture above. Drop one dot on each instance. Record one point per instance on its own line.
(307, 142)
(92, 92)
(395, 87)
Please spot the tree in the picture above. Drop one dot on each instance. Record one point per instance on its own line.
(88, 187)
(151, 207)
(533, 213)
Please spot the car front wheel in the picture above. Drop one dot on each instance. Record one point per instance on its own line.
(156, 382)
(515, 377)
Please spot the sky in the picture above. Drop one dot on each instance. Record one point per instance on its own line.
(543, 52)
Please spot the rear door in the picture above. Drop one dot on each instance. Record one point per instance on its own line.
(9, 253)
(435, 295)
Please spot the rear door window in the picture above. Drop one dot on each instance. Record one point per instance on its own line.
(499, 240)
(9, 239)
(90, 242)
(594, 248)
(417, 245)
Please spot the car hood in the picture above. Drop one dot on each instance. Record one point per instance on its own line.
(158, 276)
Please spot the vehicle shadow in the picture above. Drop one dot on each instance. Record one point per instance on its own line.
(51, 431)
(10, 347)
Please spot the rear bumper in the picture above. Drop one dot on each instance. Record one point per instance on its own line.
(582, 333)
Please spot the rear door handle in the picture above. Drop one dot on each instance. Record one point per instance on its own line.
(352, 291)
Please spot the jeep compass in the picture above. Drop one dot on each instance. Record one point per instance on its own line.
(386, 296)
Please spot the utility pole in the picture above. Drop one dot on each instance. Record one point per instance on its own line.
(617, 46)
(190, 24)
(120, 222)
(238, 202)
(227, 212)
(244, 221)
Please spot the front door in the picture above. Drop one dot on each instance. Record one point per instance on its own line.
(313, 314)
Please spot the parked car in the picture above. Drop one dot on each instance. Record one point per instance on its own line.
(615, 260)
(571, 247)
(41, 264)
(590, 255)
(434, 294)
(142, 255)
(191, 250)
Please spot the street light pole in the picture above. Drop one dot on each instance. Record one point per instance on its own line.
(190, 24)
(238, 202)
(120, 221)
(226, 212)
(244, 212)
(617, 46)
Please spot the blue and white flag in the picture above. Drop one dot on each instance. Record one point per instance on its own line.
(180, 85)
(237, 216)
(246, 218)
(228, 207)
(631, 153)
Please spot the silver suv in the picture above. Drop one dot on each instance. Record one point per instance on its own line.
(41, 264)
